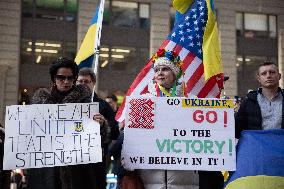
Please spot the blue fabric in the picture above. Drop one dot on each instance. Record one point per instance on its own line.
(95, 17)
(87, 62)
(260, 152)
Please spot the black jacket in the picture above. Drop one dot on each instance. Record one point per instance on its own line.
(109, 115)
(249, 115)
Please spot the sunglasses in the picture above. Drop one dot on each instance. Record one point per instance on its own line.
(63, 78)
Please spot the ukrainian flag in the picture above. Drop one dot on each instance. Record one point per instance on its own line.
(260, 161)
(90, 44)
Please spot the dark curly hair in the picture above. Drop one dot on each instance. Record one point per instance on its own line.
(63, 63)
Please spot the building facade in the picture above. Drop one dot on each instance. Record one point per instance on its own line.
(33, 33)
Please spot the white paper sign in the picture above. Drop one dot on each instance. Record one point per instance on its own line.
(48, 135)
(179, 134)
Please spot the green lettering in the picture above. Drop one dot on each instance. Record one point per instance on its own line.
(173, 146)
(162, 146)
(219, 146)
(208, 145)
(197, 149)
(187, 142)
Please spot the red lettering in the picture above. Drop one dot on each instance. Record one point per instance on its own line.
(209, 118)
(198, 118)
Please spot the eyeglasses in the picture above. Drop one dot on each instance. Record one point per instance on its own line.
(84, 81)
(63, 78)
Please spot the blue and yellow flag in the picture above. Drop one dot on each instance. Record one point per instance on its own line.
(260, 161)
(89, 46)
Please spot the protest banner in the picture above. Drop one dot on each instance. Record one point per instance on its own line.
(48, 135)
(179, 134)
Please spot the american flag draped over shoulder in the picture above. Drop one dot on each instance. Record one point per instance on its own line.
(195, 38)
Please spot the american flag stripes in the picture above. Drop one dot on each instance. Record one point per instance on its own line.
(187, 40)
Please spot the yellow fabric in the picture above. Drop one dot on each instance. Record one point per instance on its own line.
(257, 182)
(87, 46)
(225, 175)
(211, 46)
(182, 5)
(119, 99)
(164, 91)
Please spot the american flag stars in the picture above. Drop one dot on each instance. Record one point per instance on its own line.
(188, 32)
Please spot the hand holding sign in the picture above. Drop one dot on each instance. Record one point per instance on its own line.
(99, 118)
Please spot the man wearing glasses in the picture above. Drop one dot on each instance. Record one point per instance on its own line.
(87, 77)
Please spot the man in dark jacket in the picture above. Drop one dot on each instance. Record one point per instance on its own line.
(263, 108)
(87, 77)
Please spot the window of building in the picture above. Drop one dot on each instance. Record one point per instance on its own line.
(127, 14)
(41, 51)
(239, 24)
(124, 13)
(106, 16)
(256, 43)
(116, 57)
(50, 9)
(144, 15)
(255, 25)
(45, 36)
(247, 67)
(272, 26)
(27, 8)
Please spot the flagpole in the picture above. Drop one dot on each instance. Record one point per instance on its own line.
(97, 45)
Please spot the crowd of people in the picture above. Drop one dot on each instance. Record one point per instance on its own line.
(261, 109)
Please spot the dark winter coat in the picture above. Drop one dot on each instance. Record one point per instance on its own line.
(68, 177)
(249, 115)
(112, 134)
(109, 115)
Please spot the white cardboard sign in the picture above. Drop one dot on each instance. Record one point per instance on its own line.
(47, 135)
(179, 134)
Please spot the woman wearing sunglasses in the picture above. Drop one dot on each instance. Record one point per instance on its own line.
(63, 73)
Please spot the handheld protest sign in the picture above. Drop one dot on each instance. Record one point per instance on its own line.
(47, 135)
(179, 134)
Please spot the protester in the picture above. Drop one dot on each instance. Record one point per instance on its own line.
(115, 152)
(5, 176)
(223, 94)
(262, 109)
(237, 103)
(168, 71)
(213, 179)
(87, 77)
(112, 101)
(63, 74)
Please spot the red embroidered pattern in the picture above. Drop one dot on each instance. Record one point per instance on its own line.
(141, 113)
